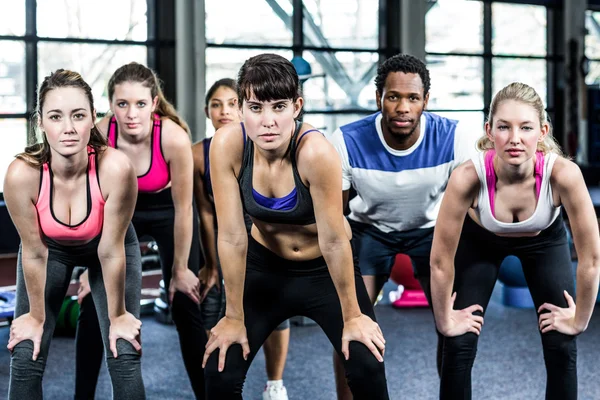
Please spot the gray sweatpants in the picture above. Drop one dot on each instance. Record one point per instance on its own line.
(125, 370)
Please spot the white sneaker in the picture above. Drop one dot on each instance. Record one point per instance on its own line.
(275, 393)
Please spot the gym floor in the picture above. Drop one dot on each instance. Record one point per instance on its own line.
(509, 364)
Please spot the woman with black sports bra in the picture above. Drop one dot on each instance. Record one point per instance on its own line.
(145, 126)
(78, 214)
(222, 108)
(297, 259)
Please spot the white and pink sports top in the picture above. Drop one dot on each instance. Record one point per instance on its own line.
(545, 212)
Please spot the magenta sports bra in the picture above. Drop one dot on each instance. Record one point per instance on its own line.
(545, 212)
(91, 226)
(158, 175)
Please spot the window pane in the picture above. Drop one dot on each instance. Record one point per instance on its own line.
(523, 35)
(107, 19)
(12, 77)
(593, 77)
(328, 123)
(473, 120)
(226, 63)
(530, 72)
(14, 140)
(12, 18)
(592, 39)
(329, 24)
(456, 82)
(95, 62)
(340, 79)
(444, 35)
(249, 22)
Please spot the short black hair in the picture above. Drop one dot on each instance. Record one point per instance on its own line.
(402, 63)
(226, 82)
(268, 77)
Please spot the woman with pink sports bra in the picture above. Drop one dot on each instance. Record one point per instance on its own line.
(507, 201)
(145, 126)
(71, 199)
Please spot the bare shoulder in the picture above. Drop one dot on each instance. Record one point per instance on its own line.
(314, 146)
(464, 178)
(103, 124)
(229, 138)
(174, 137)
(23, 178)
(114, 167)
(565, 173)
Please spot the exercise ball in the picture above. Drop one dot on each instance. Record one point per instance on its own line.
(303, 68)
(511, 272)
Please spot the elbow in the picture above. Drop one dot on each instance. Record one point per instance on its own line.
(333, 245)
(589, 266)
(440, 266)
(34, 252)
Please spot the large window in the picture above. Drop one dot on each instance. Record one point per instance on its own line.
(87, 37)
(490, 48)
(341, 44)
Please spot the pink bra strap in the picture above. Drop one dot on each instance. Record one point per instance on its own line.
(490, 178)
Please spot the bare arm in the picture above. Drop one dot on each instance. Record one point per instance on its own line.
(232, 240)
(205, 209)
(320, 164)
(119, 185)
(567, 179)
(178, 152)
(460, 193)
(20, 194)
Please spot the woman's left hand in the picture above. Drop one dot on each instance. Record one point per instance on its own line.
(559, 319)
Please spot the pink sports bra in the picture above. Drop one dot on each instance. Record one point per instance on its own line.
(490, 176)
(91, 226)
(158, 175)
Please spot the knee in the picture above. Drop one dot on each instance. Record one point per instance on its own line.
(227, 384)
(362, 368)
(126, 367)
(463, 347)
(559, 346)
(22, 366)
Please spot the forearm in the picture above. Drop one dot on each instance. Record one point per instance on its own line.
(113, 274)
(587, 290)
(34, 272)
(182, 239)
(442, 279)
(338, 256)
(208, 238)
(232, 251)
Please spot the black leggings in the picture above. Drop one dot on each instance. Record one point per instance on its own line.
(155, 217)
(547, 267)
(276, 289)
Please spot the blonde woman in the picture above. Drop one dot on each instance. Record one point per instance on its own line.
(508, 200)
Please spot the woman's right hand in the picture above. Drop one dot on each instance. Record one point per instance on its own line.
(127, 327)
(462, 321)
(23, 328)
(227, 332)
